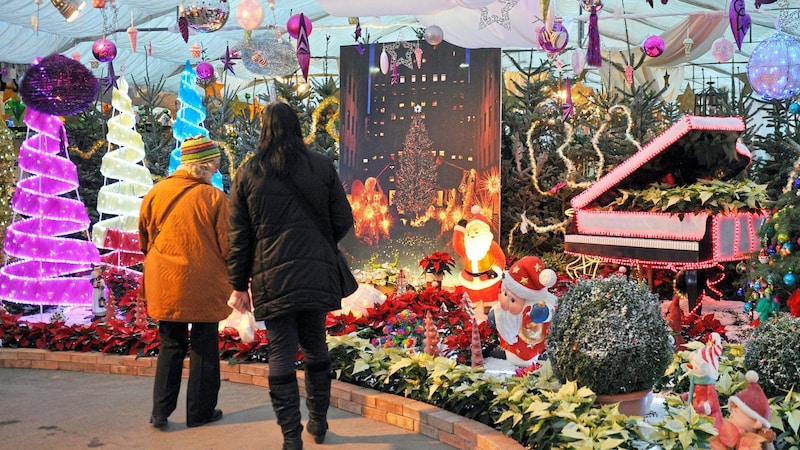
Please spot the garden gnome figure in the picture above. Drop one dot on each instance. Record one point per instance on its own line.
(523, 310)
(704, 367)
(747, 426)
(483, 261)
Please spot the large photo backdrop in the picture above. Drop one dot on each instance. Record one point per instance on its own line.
(420, 145)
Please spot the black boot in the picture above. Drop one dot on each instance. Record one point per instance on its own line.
(318, 398)
(286, 404)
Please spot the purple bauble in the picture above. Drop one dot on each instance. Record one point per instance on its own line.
(104, 50)
(293, 25)
(59, 86)
(653, 46)
(205, 71)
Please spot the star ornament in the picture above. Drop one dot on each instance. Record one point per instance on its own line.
(227, 63)
(407, 59)
(111, 79)
(502, 20)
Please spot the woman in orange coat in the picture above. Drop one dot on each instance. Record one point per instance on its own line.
(183, 225)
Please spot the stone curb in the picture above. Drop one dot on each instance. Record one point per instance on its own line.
(412, 415)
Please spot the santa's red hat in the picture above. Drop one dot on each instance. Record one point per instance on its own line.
(478, 218)
(752, 400)
(528, 275)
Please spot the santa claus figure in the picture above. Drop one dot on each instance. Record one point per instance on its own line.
(523, 310)
(483, 261)
(704, 368)
(748, 426)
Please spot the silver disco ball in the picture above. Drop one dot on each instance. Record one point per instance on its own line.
(267, 55)
(205, 16)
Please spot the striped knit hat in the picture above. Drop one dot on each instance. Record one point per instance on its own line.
(198, 149)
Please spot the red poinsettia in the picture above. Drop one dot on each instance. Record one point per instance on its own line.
(438, 263)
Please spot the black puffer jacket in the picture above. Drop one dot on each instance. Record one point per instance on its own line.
(274, 241)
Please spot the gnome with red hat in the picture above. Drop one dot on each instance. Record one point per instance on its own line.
(704, 368)
(747, 427)
(523, 310)
(483, 261)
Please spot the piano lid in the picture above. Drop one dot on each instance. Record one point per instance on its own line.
(694, 148)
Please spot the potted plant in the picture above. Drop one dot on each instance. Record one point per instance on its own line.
(771, 351)
(435, 266)
(608, 334)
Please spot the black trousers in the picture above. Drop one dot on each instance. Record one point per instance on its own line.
(203, 384)
(305, 329)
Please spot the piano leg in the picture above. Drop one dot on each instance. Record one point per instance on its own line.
(692, 290)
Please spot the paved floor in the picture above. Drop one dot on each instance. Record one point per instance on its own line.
(55, 409)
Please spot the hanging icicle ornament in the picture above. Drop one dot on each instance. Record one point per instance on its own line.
(384, 61)
(303, 47)
(418, 56)
(593, 55)
(629, 75)
(687, 46)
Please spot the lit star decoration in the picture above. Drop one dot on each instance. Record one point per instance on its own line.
(47, 267)
(111, 79)
(502, 19)
(227, 63)
(127, 181)
(407, 59)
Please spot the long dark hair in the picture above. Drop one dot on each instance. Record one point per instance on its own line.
(280, 145)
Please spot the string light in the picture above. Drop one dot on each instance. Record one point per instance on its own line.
(43, 262)
(123, 197)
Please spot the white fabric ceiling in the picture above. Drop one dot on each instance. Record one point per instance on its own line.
(507, 24)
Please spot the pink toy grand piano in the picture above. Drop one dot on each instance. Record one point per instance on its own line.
(688, 242)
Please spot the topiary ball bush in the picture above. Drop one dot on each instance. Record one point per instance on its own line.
(773, 350)
(608, 334)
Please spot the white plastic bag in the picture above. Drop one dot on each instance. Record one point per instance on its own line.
(245, 325)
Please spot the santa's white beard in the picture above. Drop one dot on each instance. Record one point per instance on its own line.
(508, 324)
(476, 247)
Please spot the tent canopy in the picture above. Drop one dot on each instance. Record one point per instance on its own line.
(508, 24)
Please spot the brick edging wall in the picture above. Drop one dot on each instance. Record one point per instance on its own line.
(412, 415)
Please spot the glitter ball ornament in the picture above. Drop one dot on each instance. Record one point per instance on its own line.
(653, 46)
(434, 35)
(205, 71)
(206, 18)
(104, 50)
(59, 86)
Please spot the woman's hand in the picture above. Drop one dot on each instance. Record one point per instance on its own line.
(240, 301)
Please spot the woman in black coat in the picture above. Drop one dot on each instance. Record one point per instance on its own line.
(285, 255)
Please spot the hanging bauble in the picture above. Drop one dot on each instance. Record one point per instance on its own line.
(76, 56)
(589, 4)
(722, 50)
(757, 286)
(653, 46)
(205, 71)
(196, 50)
(763, 257)
(553, 41)
(783, 237)
(104, 50)
(741, 267)
(747, 306)
(250, 14)
(740, 292)
(384, 60)
(789, 279)
(293, 25)
(770, 278)
(794, 108)
(58, 86)
(774, 67)
(270, 56)
(434, 35)
(208, 17)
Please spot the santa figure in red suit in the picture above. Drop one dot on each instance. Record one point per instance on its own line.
(523, 311)
(483, 261)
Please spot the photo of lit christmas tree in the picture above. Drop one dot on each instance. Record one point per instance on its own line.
(417, 170)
